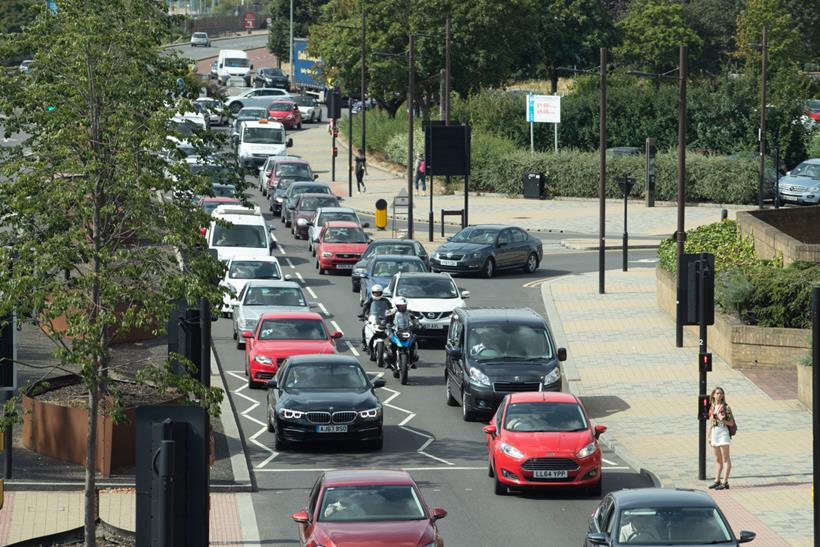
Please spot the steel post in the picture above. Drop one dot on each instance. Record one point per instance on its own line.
(165, 470)
(680, 233)
(602, 175)
(205, 342)
(762, 137)
(815, 423)
(411, 84)
(702, 381)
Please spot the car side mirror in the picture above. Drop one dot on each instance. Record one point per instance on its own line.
(599, 430)
(450, 238)
(272, 244)
(465, 294)
(247, 334)
(270, 384)
(379, 382)
(315, 177)
(233, 303)
(301, 517)
(288, 277)
(366, 225)
(289, 143)
(598, 538)
(251, 67)
(490, 430)
(746, 536)
(387, 293)
(292, 207)
(438, 513)
(562, 354)
(337, 334)
(456, 354)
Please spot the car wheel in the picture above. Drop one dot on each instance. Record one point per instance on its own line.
(235, 336)
(240, 342)
(466, 414)
(532, 263)
(288, 223)
(279, 443)
(596, 489)
(500, 488)
(490, 470)
(489, 268)
(378, 444)
(449, 399)
(319, 119)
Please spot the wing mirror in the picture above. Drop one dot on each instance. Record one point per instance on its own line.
(599, 430)
(598, 538)
(337, 334)
(366, 225)
(387, 293)
(247, 334)
(301, 517)
(270, 384)
(289, 143)
(562, 354)
(746, 536)
(379, 382)
(288, 277)
(456, 354)
(438, 513)
(315, 177)
(490, 430)
(465, 294)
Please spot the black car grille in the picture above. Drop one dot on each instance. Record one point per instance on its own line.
(550, 464)
(446, 256)
(264, 375)
(348, 255)
(341, 417)
(344, 417)
(517, 386)
(318, 417)
(433, 315)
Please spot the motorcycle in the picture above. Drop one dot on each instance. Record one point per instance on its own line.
(375, 336)
(400, 353)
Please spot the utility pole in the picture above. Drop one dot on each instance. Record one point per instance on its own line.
(349, 146)
(290, 45)
(602, 175)
(364, 83)
(680, 233)
(762, 137)
(411, 84)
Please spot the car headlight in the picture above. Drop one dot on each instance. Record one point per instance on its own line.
(290, 117)
(327, 254)
(473, 256)
(288, 414)
(244, 324)
(436, 256)
(553, 376)
(301, 222)
(278, 200)
(512, 451)
(478, 377)
(358, 271)
(587, 451)
(264, 360)
(371, 412)
(816, 189)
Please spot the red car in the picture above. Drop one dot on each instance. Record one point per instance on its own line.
(285, 112)
(340, 246)
(279, 335)
(540, 438)
(353, 508)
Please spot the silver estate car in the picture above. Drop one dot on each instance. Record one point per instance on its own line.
(802, 184)
(200, 39)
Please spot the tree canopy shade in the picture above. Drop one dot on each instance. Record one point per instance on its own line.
(82, 193)
(15, 14)
(305, 12)
(787, 44)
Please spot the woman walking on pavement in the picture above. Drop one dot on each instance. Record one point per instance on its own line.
(420, 178)
(720, 418)
(361, 170)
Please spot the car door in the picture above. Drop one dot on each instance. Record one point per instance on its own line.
(504, 254)
(521, 247)
(453, 363)
(306, 530)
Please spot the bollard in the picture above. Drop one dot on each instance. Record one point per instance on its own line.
(724, 214)
(381, 214)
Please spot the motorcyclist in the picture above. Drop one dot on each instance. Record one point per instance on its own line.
(376, 293)
(399, 317)
(376, 305)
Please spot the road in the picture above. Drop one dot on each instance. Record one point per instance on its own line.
(445, 455)
(240, 42)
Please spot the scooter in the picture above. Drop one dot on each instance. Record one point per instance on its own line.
(400, 353)
(375, 336)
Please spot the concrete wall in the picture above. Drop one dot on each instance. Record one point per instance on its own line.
(793, 233)
(741, 346)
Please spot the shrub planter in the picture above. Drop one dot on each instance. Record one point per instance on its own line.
(740, 345)
(804, 384)
(60, 431)
(107, 534)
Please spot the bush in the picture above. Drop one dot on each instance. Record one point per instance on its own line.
(814, 144)
(733, 291)
(722, 238)
(782, 296)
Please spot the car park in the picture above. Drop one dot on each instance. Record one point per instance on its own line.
(431, 298)
(200, 39)
(487, 248)
(327, 214)
(287, 169)
(349, 508)
(661, 516)
(258, 297)
(309, 108)
(271, 77)
(305, 211)
(380, 269)
(285, 112)
(491, 352)
(292, 195)
(388, 247)
(259, 140)
(544, 439)
(258, 97)
(282, 334)
(243, 270)
(340, 246)
(802, 184)
(247, 233)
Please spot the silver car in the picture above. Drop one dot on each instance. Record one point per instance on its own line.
(259, 297)
(200, 39)
(259, 97)
(327, 214)
(802, 184)
(309, 108)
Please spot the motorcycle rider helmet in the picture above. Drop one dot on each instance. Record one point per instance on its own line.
(401, 304)
(376, 292)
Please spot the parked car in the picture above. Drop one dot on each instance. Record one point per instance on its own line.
(388, 247)
(286, 113)
(661, 516)
(491, 352)
(243, 271)
(271, 77)
(802, 184)
(309, 107)
(306, 210)
(260, 296)
(200, 39)
(283, 334)
(380, 269)
(324, 398)
(348, 508)
(327, 214)
(292, 195)
(214, 109)
(287, 169)
(259, 97)
(340, 246)
(812, 112)
(431, 298)
(487, 248)
(539, 439)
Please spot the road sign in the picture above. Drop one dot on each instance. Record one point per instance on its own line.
(250, 20)
(544, 108)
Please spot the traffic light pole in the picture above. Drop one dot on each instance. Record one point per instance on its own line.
(703, 366)
(350, 146)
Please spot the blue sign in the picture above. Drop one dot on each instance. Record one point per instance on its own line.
(52, 5)
(530, 108)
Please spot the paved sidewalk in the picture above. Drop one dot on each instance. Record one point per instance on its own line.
(624, 364)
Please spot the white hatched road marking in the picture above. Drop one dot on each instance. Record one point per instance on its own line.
(324, 309)
(292, 267)
(244, 414)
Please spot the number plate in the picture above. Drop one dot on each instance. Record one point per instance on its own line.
(549, 474)
(433, 326)
(332, 429)
(449, 262)
(344, 266)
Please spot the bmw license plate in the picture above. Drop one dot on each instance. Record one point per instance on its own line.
(344, 266)
(549, 474)
(449, 262)
(333, 429)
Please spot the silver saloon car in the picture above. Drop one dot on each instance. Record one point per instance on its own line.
(260, 297)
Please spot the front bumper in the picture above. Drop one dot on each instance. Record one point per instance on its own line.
(457, 266)
(433, 328)
(304, 431)
(487, 398)
(808, 198)
(290, 124)
(580, 473)
(261, 372)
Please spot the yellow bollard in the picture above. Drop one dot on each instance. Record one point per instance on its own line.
(381, 214)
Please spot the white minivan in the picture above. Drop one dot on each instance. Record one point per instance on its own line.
(259, 140)
(233, 62)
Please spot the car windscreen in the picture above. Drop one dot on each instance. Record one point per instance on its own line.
(292, 329)
(326, 376)
(239, 235)
(209, 206)
(382, 502)
(295, 191)
(390, 249)
(544, 417)
(344, 235)
(281, 107)
(182, 127)
(252, 114)
(427, 287)
(271, 72)
(263, 135)
(672, 526)
(254, 269)
(806, 169)
(313, 203)
(494, 342)
(331, 216)
(293, 169)
(200, 35)
(275, 296)
(236, 63)
(476, 235)
(304, 101)
(389, 268)
(223, 190)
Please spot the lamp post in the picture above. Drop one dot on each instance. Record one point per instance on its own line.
(761, 137)
(290, 43)
(411, 84)
(626, 183)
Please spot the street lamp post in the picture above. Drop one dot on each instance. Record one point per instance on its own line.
(764, 53)
(411, 83)
(290, 44)
(626, 183)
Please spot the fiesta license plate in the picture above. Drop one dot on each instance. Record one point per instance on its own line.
(549, 474)
(344, 266)
(449, 262)
(433, 326)
(332, 429)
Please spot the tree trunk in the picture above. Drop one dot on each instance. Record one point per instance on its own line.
(90, 523)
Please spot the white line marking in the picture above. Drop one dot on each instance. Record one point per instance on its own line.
(410, 415)
(326, 469)
(335, 325)
(324, 309)
(299, 277)
(615, 467)
(311, 293)
(606, 461)
(352, 349)
(292, 267)
(281, 249)
(244, 414)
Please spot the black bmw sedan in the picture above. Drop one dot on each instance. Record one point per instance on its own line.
(324, 398)
(486, 248)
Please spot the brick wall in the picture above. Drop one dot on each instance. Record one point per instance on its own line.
(793, 233)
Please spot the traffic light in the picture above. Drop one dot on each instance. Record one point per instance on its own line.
(335, 151)
(705, 362)
(334, 105)
(703, 407)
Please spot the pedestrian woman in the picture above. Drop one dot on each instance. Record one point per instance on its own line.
(720, 418)
(420, 177)
(361, 170)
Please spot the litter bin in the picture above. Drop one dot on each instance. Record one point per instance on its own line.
(533, 185)
(381, 214)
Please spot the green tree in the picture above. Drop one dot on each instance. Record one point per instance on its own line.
(15, 14)
(82, 194)
(305, 12)
(786, 44)
(652, 31)
(714, 21)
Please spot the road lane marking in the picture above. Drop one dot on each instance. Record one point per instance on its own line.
(264, 427)
(535, 283)
(326, 469)
(292, 267)
(311, 293)
(324, 309)
(402, 425)
(352, 349)
(606, 461)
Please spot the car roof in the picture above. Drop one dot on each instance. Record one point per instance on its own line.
(497, 316)
(274, 283)
(342, 224)
(354, 477)
(284, 100)
(542, 397)
(662, 497)
(290, 159)
(299, 183)
(264, 123)
(260, 258)
(316, 195)
(491, 226)
(424, 274)
(335, 209)
(813, 161)
(393, 241)
(333, 358)
(291, 315)
(218, 199)
(396, 258)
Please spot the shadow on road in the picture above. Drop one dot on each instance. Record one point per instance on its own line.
(600, 406)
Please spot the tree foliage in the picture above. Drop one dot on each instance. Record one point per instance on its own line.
(652, 31)
(305, 12)
(786, 45)
(15, 14)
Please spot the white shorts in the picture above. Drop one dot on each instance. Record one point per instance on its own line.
(720, 436)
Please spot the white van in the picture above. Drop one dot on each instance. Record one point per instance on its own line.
(233, 62)
(246, 235)
(258, 140)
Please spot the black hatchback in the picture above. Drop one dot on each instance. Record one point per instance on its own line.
(491, 352)
(324, 398)
(486, 248)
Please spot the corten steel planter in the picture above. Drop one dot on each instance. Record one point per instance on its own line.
(136, 334)
(61, 432)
